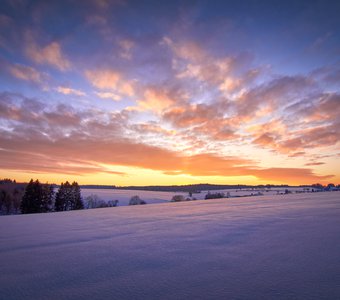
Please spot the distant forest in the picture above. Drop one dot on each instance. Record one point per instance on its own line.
(193, 188)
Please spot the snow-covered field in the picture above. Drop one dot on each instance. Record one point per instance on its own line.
(153, 197)
(266, 247)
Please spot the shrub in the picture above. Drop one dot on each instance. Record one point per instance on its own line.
(178, 198)
(214, 195)
(135, 200)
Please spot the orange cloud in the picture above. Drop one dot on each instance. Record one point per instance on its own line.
(293, 176)
(26, 162)
(155, 100)
(55, 154)
(315, 163)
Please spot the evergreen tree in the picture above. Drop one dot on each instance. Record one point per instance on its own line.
(60, 199)
(47, 198)
(8, 199)
(2, 198)
(17, 196)
(27, 199)
(77, 201)
(37, 198)
(68, 197)
(32, 198)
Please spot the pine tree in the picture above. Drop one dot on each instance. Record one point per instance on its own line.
(2, 198)
(68, 197)
(47, 198)
(27, 199)
(31, 201)
(60, 199)
(8, 200)
(17, 196)
(76, 195)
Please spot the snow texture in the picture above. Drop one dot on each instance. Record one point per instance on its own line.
(266, 247)
(153, 197)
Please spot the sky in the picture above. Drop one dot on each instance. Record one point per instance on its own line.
(170, 92)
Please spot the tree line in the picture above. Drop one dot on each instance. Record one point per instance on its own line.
(38, 197)
(10, 196)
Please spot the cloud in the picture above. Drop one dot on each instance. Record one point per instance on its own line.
(186, 50)
(293, 176)
(110, 80)
(323, 107)
(69, 91)
(156, 100)
(108, 95)
(297, 154)
(32, 114)
(152, 128)
(309, 122)
(203, 120)
(26, 73)
(315, 163)
(51, 54)
(28, 162)
(194, 114)
(296, 143)
(103, 79)
(124, 152)
(273, 95)
(229, 74)
(61, 140)
(265, 140)
(246, 101)
(126, 48)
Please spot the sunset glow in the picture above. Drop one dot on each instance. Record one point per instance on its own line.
(170, 92)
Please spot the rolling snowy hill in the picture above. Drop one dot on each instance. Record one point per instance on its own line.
(267, 247)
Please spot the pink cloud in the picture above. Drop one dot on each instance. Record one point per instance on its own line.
(51, 54)
(69, 91)
(26, 73)
(110, 80)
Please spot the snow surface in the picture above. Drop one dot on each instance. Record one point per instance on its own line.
(153, 197)
(266, 247)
